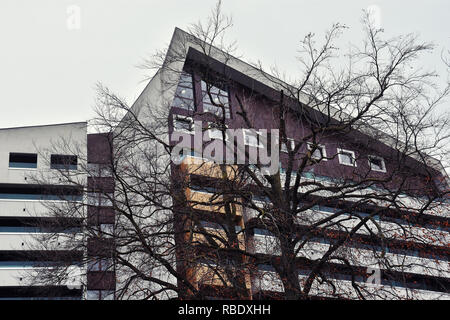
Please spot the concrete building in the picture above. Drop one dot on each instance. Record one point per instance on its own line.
(29, 154)
(35, 167)
(187, 90)
(418, 262)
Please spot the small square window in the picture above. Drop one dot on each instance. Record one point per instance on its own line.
(291, 144)
(183, 124)
(320, 153)
(213, 98)
(184, 94)
(377, 164)
(347, 157)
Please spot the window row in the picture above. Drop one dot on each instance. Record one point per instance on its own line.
(37, 192)
(29, 161)
(345, 157)
(186, 124)
(253, 138)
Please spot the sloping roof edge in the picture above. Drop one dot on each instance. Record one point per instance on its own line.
(47, 125)
(179, 46)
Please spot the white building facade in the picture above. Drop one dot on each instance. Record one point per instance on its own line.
(29, 155)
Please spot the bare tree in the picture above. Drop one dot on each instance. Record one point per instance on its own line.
(311, 229)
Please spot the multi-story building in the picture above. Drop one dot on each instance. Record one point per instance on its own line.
(36, 163)
(209, 94)
(100, 272)
(28, 155)
(203, 86)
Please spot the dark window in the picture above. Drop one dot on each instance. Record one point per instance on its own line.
(63, 162)
(266, 267)
(184, 94)
(23, 160)
(22, 264)
(34, 192)
(181, 123)
(377, 164)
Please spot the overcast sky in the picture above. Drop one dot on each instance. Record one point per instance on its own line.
(49, 64)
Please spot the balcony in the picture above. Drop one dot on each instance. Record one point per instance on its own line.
(20, 275)
(21, 208)
(214, 276)
(203, 167)
(219, 236)
(207, 201)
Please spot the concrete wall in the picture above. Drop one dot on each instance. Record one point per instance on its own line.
(67, 139)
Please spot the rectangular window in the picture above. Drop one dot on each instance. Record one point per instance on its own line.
(203, 189)
(65, 162)
(290, 143)
(183, 124)
(23, 160)
(319, 153)
(347, 157)
(184, 94)
(266, 267)
(215, 100)
(251, 138)
(377, 164)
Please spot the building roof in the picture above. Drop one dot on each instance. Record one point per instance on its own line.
(184, 45)
(46, 125)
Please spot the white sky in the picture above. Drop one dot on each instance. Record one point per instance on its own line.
(48, 72)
